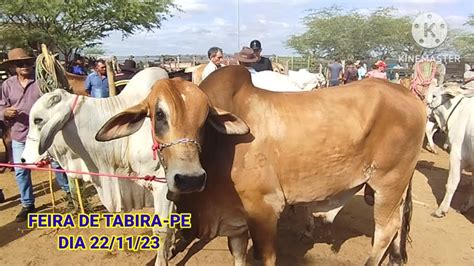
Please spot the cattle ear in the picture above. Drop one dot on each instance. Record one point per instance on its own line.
(50, 129)
(452, 92)
(226, 122)
(123, 124)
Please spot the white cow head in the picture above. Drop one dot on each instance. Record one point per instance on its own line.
(440, 99)
(48, 116)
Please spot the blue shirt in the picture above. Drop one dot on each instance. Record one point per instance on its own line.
(78, 70)
(96, 86)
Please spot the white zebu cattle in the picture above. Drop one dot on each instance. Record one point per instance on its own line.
(296, 81)
(68, 136)
(454, 113)
(306, 79)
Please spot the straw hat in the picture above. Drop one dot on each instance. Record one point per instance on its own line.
(246, 55)
(129, 65)
(16, 55)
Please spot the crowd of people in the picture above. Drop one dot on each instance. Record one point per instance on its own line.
(337, 74)
(250, 57)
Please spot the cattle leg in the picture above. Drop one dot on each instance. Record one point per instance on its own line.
(263, 230)
(451, 185)
(430, 129)
(398, 254)
(195, 248)
(387, 216)
(238, 248)
(470, 202)
(7, 143)
(163, 208)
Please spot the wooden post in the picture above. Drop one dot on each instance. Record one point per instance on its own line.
(49, 64)
(110, 78)
(53, 199)
(194, 60)
(79, 196)
(292, 63)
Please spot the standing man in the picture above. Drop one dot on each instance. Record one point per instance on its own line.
(19, 93)
(350, 73)
(127, 71)
(262, 63)
(78, 67)
(247, 58)
(215, 56)
(97, 84)
(334, 73)
(361, 71)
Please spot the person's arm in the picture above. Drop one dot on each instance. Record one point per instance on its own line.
(3, 102)
(6, 110)
(88, 84)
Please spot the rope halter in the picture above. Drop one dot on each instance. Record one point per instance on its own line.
(158, 147)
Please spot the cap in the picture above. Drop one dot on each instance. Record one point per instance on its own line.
(381, 63)
(255, 44)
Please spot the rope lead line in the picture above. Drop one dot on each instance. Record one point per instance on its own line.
(39, 166)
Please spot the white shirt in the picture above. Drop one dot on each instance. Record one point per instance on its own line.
(210, 67)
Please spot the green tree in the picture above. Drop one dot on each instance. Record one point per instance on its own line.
(331, 33)
(463, 42)
(69, 25)
(334, 33)
(96, 50)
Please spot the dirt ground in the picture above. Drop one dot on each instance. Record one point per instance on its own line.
(446, 241)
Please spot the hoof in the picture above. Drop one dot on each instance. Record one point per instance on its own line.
(438, 214)
(431, 149)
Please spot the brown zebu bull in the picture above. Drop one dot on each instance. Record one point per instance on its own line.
(318, 147)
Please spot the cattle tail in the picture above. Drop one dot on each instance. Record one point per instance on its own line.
(406, 219)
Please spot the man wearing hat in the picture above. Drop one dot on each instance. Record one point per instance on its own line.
(247, 58)
(262, 63)
(19, 93)
(127, 71)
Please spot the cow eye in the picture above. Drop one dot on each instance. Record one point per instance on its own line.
(160, 115)
(37, 121)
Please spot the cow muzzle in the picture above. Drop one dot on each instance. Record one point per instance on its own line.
(190, 183)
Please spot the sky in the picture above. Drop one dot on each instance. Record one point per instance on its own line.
(231, 24)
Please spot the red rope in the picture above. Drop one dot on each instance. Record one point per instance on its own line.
(41, 164)
(156, 145)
